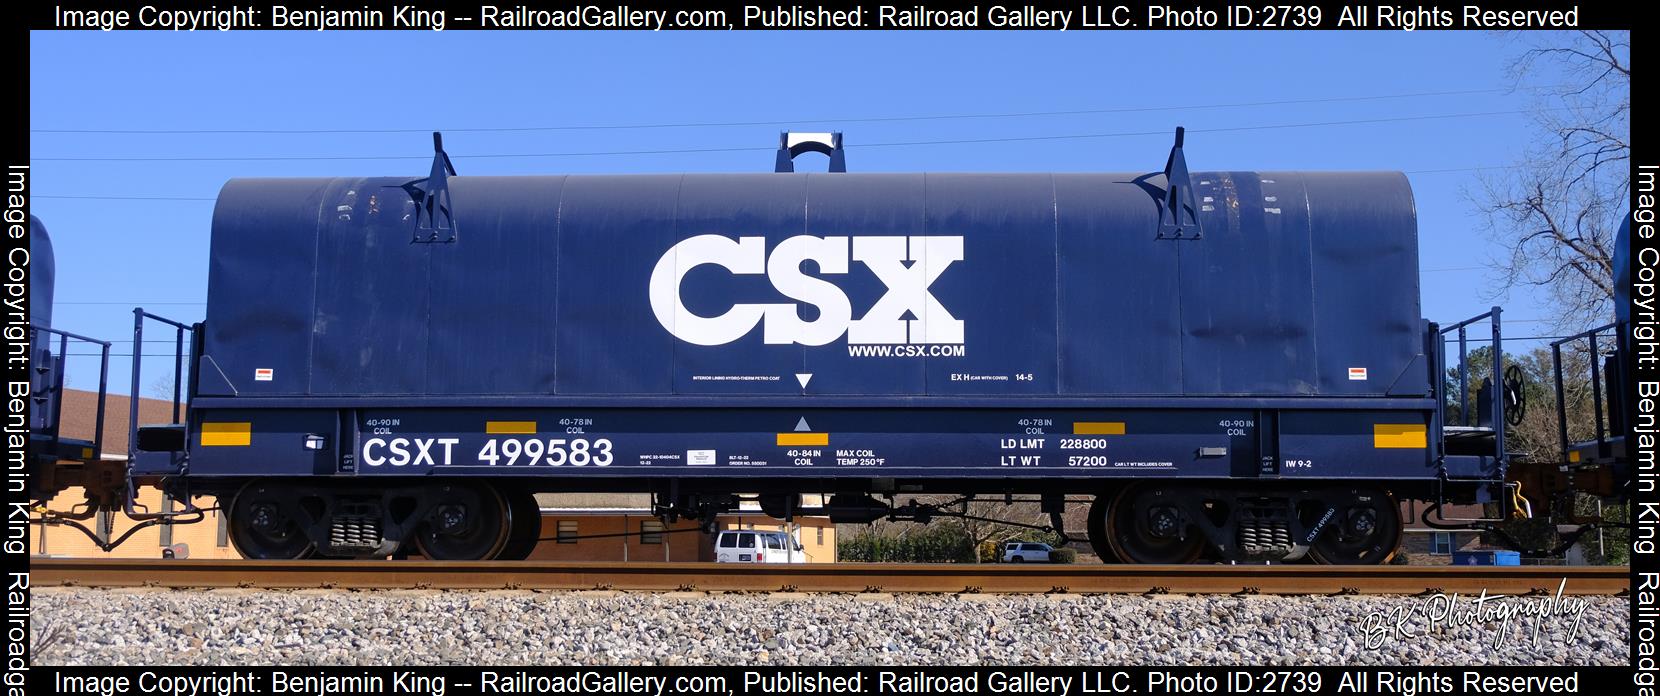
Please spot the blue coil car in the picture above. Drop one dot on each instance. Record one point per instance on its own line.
(1229, 364)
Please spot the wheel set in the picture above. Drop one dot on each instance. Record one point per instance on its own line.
(1160, 523)
(461, 521)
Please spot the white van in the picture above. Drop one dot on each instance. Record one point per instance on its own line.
(746, 546)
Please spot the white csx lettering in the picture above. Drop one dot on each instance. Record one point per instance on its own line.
(906, 265)
(397, 451)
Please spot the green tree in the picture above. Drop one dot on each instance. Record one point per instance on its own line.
(1537, 436)
(907, 543)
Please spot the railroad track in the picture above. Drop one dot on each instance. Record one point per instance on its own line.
(840, 577)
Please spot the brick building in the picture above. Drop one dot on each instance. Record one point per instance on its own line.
(1425, 545)
(583, 520)
(205, 539)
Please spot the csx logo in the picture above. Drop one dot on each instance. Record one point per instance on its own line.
(906, 265)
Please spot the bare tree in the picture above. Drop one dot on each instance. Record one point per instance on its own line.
(989, 520)
(1556, 211)
(161, 387)
(983, 522)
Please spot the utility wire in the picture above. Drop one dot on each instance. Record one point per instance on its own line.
(1463, 169)
(909, 143)
(206, 199)
(718, 124)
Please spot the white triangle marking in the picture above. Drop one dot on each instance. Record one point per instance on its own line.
(802, 427)
(803, 378)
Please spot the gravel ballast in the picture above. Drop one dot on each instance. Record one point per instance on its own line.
(339, 627)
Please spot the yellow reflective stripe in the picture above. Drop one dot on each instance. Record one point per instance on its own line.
(510, 427)
(1103, 428)
(227, 434)
(1399, 436)
(804, 439)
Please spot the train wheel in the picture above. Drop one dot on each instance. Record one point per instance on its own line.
(1365, 531)
(467, 523)
(261, 526)
(525, 526)
(1098, 539)
(1145, 526)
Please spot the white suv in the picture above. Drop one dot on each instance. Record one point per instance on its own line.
(743, 546)
(1026, 552)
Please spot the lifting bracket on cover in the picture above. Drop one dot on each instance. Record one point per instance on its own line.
(1178, 216)
(792, 144)
(435, 221)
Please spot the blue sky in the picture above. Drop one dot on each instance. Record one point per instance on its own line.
(113, 254)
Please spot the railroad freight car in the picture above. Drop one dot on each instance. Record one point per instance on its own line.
(58, 460)
(1227, 363)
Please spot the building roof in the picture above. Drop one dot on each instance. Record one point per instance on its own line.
(595, 503)
(626, 503)
(80, 416)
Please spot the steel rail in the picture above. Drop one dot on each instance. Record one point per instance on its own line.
(839, 577)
